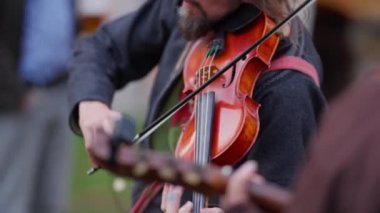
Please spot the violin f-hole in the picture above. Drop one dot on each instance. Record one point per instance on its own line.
(232, 77)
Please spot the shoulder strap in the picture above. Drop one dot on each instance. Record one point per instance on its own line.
(295, 63)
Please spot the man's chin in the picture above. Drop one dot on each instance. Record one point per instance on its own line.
(192, 26)
(192, 34)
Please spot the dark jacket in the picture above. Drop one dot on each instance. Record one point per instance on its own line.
(128, 48)
(11, 86)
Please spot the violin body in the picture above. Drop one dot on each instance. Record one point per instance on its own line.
(236, 121)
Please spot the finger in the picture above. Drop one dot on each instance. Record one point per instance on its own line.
(212, 210)
(100, 144)
(110, 122)
(187, 208)
(164, 196)
(88, 137)
(239, 183)
(91, 136)
(116, 115)
(173, 199)
(240, 179)
(108, 126)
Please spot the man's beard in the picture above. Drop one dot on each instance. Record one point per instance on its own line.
(193, 27)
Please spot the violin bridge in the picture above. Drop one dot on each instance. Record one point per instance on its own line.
(205, 73)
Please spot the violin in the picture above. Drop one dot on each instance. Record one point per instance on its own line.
(211, 180)
(224, 123)
(224, 114)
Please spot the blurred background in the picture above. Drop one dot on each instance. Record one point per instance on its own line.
(98, 193)
(346, 33)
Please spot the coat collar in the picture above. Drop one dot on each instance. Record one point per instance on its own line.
(242, 17)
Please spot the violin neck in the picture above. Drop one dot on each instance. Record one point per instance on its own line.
(211, 180)
(152, 166)
(203, 138)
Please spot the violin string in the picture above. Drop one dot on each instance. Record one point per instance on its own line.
(199, 108)
(207, 145)
(202, 153)
(208, 103)
(201, 125)
(199, 156)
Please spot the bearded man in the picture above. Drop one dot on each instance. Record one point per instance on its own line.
(128, 48)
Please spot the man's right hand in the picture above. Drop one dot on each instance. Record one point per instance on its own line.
(97, 122)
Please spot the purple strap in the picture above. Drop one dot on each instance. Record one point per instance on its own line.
(297, 64)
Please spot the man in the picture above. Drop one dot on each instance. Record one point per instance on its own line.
(128, 48)
(34, 149)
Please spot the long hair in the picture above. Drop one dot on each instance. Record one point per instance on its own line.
(276, 9)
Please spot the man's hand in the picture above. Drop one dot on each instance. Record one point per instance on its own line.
(171, 198)
(97, 122)
(238, 185)
(237, 190)
(188, 208)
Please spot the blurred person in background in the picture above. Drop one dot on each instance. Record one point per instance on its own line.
(345, 36)
(35, 43)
